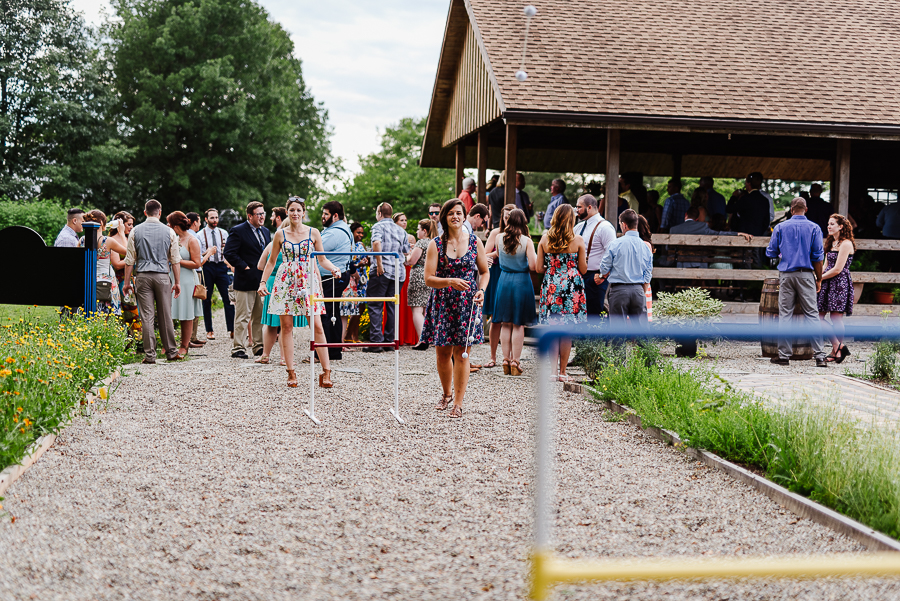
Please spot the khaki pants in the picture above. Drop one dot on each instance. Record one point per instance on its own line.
(247, 313)
(798, 288)
(154, 295)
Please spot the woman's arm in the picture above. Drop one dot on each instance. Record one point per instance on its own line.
(194, 250)
(325, 263)
(116, 253)
(264, 258)
(529, 251)
(844, 251)
(491, 244)
(413, 257)
(277, 242)
(582, 256)
(539, 260)
(484, 274)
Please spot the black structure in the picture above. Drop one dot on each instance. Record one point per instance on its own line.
(42, 275)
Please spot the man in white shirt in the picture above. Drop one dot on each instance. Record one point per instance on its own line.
(215, 271)
(477, 218)
(598, 234)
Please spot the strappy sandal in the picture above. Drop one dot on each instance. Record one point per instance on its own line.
(514, 369)
(845, 352)
(264, 359)
(292, 379)
(490, 364)
(182, 354)
(505, 367)
(566, 378)
(325, 379)
(444, 402)
(456, 412)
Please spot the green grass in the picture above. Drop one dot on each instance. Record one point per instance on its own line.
(35, 313)
(811, 449)
(46, 366)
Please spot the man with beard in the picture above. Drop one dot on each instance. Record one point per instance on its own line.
(336, 237)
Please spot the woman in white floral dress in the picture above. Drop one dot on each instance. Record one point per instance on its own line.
(296, 282)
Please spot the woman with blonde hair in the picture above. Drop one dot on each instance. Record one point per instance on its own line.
(836, 295)
(561, 258)
(296, 282)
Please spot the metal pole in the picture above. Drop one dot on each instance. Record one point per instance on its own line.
(310, 312)
(544, 477)
(396, 410)
(90, 268)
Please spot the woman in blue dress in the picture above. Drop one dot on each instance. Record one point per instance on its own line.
(493, 255)
(514, 296)
(456, 268)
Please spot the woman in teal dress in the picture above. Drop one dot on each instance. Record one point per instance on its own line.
(272, 323)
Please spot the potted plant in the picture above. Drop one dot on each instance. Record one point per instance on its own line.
(687, 308)
(883, 294)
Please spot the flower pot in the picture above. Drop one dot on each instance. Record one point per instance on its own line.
(857, 292)
(882, 297)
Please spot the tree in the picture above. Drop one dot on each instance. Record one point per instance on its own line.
(392, 175)
(214, 105)
(55, 137)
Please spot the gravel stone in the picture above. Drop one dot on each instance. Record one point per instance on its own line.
(204, 480)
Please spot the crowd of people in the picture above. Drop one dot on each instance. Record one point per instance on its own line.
(466, 272)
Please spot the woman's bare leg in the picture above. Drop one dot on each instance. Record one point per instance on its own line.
(353, 328)
(837, 325)
(186, 328)
(518, 341)
(565, 347)
(321, 351)
(506, 340)
(445, 368)
(418, 315)
(286, 340)
(495, 339)
(460, 375)
(270, 335)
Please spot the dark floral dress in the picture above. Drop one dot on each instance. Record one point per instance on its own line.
(836, 295)
(447, 316)
(562, 293)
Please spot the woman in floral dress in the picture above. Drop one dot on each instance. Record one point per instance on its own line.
(836, 295)
(456, 268)
(350, 312)
(561, 258)
(296, 282)
(418, 293)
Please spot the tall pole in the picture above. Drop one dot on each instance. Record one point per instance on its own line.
(482, 166)
(612, 175)
(460, 166)
(842, 170)
(511, 147)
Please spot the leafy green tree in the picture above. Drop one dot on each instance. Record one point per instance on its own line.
(54, 137)
(392, 175)
(214, 105)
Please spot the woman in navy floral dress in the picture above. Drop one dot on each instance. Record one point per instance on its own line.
(561, 257)
(836, 294)
(456, 268)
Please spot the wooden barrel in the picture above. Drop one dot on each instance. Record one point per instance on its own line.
(768, 318)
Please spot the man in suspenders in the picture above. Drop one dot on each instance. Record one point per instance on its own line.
(215, 271)
(598, 234)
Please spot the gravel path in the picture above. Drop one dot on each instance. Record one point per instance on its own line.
(204, 480)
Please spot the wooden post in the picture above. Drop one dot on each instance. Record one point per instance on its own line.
(842, 175)
(511, 146)
(460, 166)
(612, 175)
(482, 166)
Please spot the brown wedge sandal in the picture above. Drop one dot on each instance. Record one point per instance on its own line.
(325, 379)
(456, 412)
(292, 379)
(444, 402)
(514, 369)
(505, 367)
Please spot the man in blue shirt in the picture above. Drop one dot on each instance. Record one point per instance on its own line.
(336, 237)
(675, 207)
(628, 266)
(888, 221)
(387, 236)
(557, 187)
(798, 241)
(68, 236)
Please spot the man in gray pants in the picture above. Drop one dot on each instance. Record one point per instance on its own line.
(798, 241)
(628, 266)
(152, 247)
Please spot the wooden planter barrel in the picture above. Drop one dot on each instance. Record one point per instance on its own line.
(768, 319)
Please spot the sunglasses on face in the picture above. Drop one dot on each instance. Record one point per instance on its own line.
(435, 213)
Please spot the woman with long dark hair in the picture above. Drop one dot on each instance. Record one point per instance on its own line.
(493, 256)
(514, 300)
(456, 268)
(836, 295)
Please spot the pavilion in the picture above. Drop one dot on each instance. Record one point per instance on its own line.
(797, 91)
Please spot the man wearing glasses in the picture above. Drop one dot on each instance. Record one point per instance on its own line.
(434, 211)
(243, 248)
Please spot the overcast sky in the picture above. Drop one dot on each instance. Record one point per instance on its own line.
(371, 63)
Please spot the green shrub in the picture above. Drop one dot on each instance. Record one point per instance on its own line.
(688, 306)
(46, 217)
(884, 361)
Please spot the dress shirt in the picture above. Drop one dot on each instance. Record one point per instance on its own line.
(628, 260)
(715, 203)
(337, 238)
(213, 237)
(798, 241)
(466, 225)
(888, 221)
(555, 202)
(673, 211)
(603, 237)
(393, 238)
(632, 200)
(67, 238)
(174, 247)
(257, 233)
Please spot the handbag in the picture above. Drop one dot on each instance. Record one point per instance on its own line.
(104, 289)
(200, 289)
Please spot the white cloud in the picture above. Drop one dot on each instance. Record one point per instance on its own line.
(371, 63)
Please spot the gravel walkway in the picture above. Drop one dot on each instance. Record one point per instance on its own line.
(204, 480)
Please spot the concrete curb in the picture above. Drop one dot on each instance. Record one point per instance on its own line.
(803, 507)
(37, 448)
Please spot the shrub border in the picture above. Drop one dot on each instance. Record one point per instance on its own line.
(803, 507)
(37, 448)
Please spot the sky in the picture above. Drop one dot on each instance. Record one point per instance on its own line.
(371, 63)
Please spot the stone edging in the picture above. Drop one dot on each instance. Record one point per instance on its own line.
(803, 507)
(37, 448)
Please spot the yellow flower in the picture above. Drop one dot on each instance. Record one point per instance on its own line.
(10, 360)
(103, 392)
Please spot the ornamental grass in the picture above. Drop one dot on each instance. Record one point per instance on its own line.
(46, 367)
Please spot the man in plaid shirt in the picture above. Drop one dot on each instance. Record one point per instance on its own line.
(675, 206)
(387, 236)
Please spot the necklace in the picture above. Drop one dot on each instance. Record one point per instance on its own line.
(455, 243)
